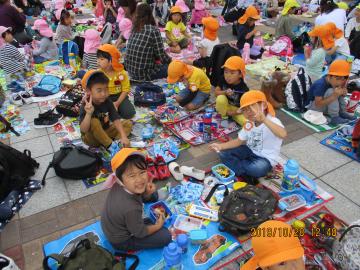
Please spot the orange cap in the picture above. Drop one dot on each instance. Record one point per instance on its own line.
(177, 69)
(122, 155)
(115, 56)
(87, 76)
(251, 12)
(340, 68)
(235, 63)
(211, 26)
(275, 249)
(175, 9)
(327, 33)
(255, 96)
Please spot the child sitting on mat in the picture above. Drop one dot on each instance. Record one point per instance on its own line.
(119, 83)
(327, 94)
(197, 84)
(230, 89)
(257, 148)
(63, 30)
(274, 251)
(100, 123)
(284, 25)
(122, 219)
(91, 45)
(176, 34)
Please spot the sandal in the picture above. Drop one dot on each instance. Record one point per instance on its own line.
(151, 169)
(162, 168)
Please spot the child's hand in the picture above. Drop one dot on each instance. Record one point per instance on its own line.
(150, 189)
(259, 115)
(339, 91)
(215, 147)
(229, 92)
(89, 108)
(160, 221)
(125, 141)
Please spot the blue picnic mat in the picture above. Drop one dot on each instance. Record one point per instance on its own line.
(201, 258)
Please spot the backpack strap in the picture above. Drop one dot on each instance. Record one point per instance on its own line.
(347, 230)
(46, 172)
(212, 191)
(8, 125)
(59, 258)
(132, 256)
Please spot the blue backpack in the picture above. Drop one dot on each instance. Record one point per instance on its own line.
(66, 48)
(48, 85)
(149, 95)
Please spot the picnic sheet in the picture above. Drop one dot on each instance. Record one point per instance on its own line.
(220, 245)
(266, 66)
(317, 128)
(12, 114)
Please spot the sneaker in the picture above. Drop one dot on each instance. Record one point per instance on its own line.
(337, 120)
(45, 122)
(15, 98)
(347, 116)
(50, 113)
(26, 97)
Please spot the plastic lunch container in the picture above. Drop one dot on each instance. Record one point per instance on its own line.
(167, 210)
(185, 224)
(292, 202)
(198, 237)
(230, 177)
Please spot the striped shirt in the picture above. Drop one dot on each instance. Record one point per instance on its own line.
(90, 61)
(11, 60)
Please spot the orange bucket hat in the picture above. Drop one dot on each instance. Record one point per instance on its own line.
(115, 56)
(255, 96)
(340, 68)
(175, 9)
(85, 79)
(275, 249)
(251, 12)
(177, 69)
(211, 26)
(235, 63)
(122, 155)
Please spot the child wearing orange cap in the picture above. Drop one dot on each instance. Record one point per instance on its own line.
(327, 94)
(121, 218)
(246, 27)
(207, 44)
(257, 148)
(285, 24)
(108, 57)
(176, 34)
(198, 86)
(230, 89)
(100, 123)
(273, 250)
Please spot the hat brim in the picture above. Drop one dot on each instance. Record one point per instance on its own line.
(85, 82)
(119, 157)
(287, 255)
(172, 79)
(255, 17)
(251, 264)
(7, 29)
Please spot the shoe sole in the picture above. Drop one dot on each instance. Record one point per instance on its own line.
(45, 126)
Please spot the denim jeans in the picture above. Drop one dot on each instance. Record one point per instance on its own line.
(39, 59)
(244, 162)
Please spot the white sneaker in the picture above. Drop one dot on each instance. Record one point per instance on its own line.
(193, 172)
(26, 97)
(174, 168)
(15, 98)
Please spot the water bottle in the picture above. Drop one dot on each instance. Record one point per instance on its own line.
(172, 257)
(182, 241)
(207, 119)
(246, 53)
(291, 174)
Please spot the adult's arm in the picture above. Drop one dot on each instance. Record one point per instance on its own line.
(19, 19)
(159, 51)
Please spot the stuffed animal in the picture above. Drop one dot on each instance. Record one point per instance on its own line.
(274, 88)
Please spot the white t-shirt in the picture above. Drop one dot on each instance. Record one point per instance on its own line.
(209, 44)
(262, 141)
(337, 16)
(352, 24)
(343, 46)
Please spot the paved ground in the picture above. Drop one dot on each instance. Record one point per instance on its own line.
(63, 205)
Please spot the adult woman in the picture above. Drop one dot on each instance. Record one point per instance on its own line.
(330, 12)
(15, 18)
(30, 7)
(129, 6)
(145, 57)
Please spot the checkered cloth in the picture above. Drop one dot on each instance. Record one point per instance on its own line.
(142, 50)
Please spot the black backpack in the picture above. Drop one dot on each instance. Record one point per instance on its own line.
(149, 95)
(16, 168)
(244, 209)
(74, 162)
(296, 91)
(70, 102)
(88, 255)
(219, 55)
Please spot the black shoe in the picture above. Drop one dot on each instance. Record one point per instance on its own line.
(250, 179)
(50, 114)
(45, 122)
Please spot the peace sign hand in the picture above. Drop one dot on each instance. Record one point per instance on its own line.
(89, 108)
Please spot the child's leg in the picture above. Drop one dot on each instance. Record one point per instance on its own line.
(113, 133)
(234, 158)
(256, 166)
(222, 105)
(39, 59)
(158, 239)
(184, 97)
(183, 43)
(198, 101)
(126, 109)
(96, 136)
(238, 118)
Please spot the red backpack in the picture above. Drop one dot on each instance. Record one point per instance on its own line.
(356, 138)
(282, 47)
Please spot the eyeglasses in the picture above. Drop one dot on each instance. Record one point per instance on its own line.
(344, 78)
